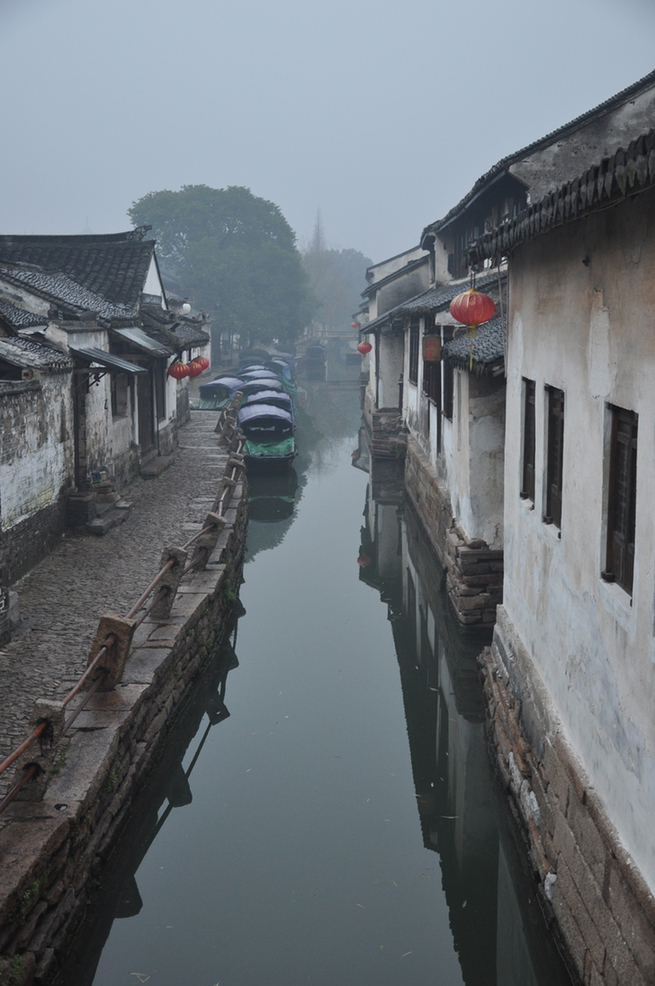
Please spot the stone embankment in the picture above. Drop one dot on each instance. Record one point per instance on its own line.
(50, 847)
(599, 905)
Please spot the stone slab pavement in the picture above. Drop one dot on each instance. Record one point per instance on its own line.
(85, 577)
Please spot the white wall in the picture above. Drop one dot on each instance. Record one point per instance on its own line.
(581, 319)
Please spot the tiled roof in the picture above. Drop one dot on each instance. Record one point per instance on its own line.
(33, 355)
(58, 287)
(433, 300)
(113, 266)
(181, 333)
(548, 139)
(21, 318)
(486, 350)
(625, 173)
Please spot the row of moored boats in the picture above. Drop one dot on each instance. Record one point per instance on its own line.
(266, 415)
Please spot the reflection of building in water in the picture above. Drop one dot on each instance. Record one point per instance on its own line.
(168, 787)
(496, 926)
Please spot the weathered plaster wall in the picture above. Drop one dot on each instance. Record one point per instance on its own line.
(35, 466)
(581, 301)
(392, 357)
(482, 508)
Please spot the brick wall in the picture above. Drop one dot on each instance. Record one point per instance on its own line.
(474, 573)
(599, 905)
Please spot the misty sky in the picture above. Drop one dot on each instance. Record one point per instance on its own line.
(382, 114)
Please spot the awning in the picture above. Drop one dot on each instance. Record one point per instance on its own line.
(109, 362)
(144, 342)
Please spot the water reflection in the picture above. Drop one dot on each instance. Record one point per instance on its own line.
(168, 787)
(330, 411)
(497, 927)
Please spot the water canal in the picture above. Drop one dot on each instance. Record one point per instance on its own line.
(324, 812)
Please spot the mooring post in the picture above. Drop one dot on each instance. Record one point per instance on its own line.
(40, 755)
(115, 634)
(206, 543)
(169, 581)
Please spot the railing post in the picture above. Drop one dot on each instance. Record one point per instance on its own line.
(169, 581)
(42, 751)
(112, 665)
(206, 543)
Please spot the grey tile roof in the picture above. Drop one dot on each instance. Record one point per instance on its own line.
(20, 318)
(60, 288)
(33, 355)
(625, 173)
(113, 266)
(487, 349)
(434, 299)
(548, 139)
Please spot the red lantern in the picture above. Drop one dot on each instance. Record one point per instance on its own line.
(178, 370)
(195, 369)
(202, 361)
(472, 308)
(354, 325)
(364, 348)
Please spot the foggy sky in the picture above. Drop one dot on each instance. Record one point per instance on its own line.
(382, 114)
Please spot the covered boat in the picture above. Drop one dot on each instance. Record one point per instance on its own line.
(268, 430)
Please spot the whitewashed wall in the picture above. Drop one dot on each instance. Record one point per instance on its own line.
(581, 319)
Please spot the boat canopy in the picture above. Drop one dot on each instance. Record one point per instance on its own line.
(278, 398)
(258, 374)
(254, 386)
(232, 383)
(254, 412)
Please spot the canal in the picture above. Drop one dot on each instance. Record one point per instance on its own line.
(324, 811)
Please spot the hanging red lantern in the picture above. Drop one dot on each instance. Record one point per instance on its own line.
(354, 325)
(364, 561)
(178, 370)
(195, 369)
(472, 308)
(364, 348)
(202, 361)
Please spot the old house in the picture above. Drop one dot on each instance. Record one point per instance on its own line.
(574, 644)
(87, 335)
(390, 282)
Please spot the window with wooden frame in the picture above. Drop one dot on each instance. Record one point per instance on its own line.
(432, 376)
(554, 456)
(413, 350)
(622, 499)
(448, 377)
(527, 481)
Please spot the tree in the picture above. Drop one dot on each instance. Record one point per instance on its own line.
(337, 278)
(236, 255)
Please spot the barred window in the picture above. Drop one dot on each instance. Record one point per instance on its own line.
(413, 350)
(622, 498)
(527, 485)
(554, 456)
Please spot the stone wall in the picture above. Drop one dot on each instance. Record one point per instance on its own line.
(50, 849)
(474, 573)
(590, 888)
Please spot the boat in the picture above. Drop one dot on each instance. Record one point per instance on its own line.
(268, 430)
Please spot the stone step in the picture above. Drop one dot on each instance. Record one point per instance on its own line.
(115, 515)
(156, 466)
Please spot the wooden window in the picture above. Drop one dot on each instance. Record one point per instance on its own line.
(448, 378)
(119, 392)
(527, 485)
(622, 498)
(413, 350)
(160, 388)
(554, 456)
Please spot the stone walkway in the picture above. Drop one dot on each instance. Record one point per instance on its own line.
(63, 598)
